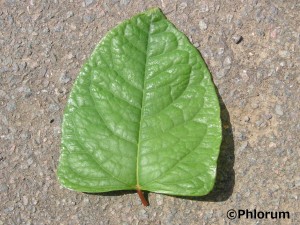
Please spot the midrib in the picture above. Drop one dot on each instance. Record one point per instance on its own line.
(142, 111)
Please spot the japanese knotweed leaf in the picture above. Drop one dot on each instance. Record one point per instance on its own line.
(143, 114)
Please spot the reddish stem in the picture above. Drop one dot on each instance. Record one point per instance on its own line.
(142, 197)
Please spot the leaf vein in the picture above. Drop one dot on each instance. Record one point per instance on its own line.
(89, 154)
(100, 115)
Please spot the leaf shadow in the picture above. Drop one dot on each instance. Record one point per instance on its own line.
(225, 178)
(112, 193)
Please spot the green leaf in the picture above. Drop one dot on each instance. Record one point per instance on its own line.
(143, 114)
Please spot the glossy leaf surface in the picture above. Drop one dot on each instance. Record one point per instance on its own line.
(142, 114)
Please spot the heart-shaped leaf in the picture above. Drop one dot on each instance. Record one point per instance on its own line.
(143, 114)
